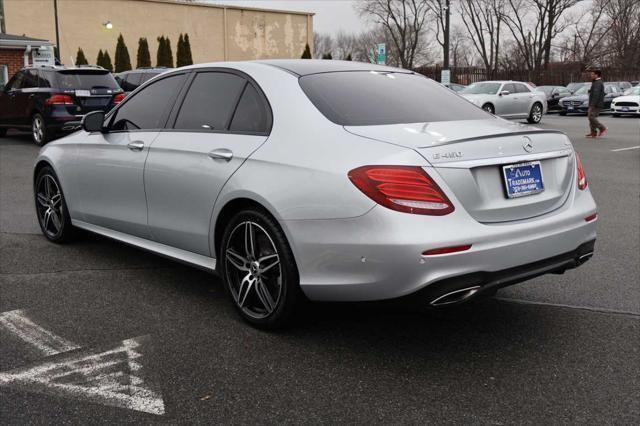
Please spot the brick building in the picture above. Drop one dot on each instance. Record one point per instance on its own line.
(18, 51)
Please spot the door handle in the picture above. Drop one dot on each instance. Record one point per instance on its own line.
(135, 146)
(221, 154)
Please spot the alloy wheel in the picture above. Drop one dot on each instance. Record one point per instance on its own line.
(49, 205)
(37, 127)
(536, 113)
(253, 270)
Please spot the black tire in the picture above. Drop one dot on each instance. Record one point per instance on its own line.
(535, 115)
(489, 108)
(57, 227)
(563, 113)
(40, 134)
(247, 284)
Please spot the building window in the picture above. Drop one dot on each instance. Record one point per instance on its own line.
(4, 76)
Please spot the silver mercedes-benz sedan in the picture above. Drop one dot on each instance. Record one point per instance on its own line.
(321, 180)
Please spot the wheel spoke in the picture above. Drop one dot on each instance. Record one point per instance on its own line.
(55, 200)
(268, 262)
(265, 297)
(249, 240)
(55, 220)
(42, 200)
(245, 287)
(47, 218)
(237, 261)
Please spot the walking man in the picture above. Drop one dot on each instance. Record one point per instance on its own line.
(596, 103)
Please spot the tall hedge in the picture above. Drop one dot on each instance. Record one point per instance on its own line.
(80, 58)
(143, 58)
(100, 58)
(106, 59)
(164, 57)
(183, 52)
(122, 59)
(307, 52)
(327, 56)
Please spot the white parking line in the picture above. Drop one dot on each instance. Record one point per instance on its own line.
(626, 149)
(47, 343)
(114, 377)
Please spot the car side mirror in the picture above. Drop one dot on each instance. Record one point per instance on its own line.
(93, 122)
(504, 93)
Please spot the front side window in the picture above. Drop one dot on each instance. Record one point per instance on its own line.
(30, 79)
(148, 109)
(521, 88)
(364, 98)
(509, 87)
(210, 101)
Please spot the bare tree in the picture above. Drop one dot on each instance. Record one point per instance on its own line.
(483, 19)
(586, 39)
(624, 38)
(403, 20)
(533, 25)
(462, 52)
(322, 44)
(438, 12)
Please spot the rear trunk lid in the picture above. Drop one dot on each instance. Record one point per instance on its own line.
(470, 157)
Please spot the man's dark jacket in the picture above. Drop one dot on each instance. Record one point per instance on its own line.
(596, 94)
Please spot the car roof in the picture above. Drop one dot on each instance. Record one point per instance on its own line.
(302, 67)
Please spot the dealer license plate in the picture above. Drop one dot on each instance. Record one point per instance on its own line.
(523, 179)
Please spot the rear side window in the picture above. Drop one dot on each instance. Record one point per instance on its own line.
(148, 108)
(366, 98)
(252, 113)
(71, 80)
(210, 102)
(30, 79)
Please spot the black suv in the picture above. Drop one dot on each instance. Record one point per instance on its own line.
(45, 99)
(131, 80)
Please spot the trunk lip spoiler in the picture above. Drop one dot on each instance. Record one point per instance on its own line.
(497, 135)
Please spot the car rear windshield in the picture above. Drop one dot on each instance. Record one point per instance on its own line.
(366, 98)
(85, 80)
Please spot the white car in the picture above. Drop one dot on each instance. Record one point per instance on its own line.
(507, 99)
(628, 103)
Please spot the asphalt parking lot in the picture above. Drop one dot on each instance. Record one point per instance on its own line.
(123, 336)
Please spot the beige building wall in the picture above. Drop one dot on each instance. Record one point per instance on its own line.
(216, 33)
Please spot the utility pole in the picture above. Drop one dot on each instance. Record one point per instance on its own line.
(445, 64)
(55, 13)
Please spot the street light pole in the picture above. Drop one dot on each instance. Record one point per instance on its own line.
(445, 64)
(55, 13)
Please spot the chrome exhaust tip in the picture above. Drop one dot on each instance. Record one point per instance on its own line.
(455, 296)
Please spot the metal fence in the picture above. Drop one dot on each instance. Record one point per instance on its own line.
(553, 76)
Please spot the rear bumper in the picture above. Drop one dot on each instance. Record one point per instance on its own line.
(378, 256)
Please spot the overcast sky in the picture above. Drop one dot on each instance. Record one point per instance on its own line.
(331, 16)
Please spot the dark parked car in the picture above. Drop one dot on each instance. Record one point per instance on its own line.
(579, 101)
(46, 99)
(574, 87)
(553, 94)
(131, 80)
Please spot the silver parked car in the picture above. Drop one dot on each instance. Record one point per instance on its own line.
(508, 99)
(338, 181)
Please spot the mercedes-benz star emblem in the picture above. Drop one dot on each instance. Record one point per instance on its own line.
(527, 144)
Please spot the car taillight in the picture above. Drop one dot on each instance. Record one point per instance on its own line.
(59, 100)
(119, 97)
(406, 189)
(582, 177)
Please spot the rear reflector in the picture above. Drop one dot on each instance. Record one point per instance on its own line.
(59, 100)
(406, 189)
(118, 98)
(582, 177)
(446, 250)
(591, 217)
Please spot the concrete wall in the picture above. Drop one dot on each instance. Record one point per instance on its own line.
(216, 33)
